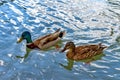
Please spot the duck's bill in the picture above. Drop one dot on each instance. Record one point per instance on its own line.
(63, 50)
(19, 40)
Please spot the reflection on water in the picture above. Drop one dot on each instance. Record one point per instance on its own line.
(70, 63)
(28, 50)
(26, 54)
(86, 22)
(4, 1)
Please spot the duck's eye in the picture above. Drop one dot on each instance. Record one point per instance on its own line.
(24, 35)
(68, 44)
(71, 43)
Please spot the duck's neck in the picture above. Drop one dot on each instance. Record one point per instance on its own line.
(72, 50)
(29, 40)
(70, 54)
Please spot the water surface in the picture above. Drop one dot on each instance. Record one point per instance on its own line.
(86, 22)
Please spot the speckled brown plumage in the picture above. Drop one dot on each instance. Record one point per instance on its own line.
(82, 52)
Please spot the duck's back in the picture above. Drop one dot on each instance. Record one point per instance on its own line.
(47, 41)
(87, 51)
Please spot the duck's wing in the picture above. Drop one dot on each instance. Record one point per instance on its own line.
(82, 50)
(89, 48)
(41, 39)
(49, 40)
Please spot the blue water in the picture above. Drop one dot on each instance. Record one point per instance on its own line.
(85, 21)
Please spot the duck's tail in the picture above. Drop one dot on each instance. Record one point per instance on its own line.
(61, 34)
(102, 46)
(57, 30)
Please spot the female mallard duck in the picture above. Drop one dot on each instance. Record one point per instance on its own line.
(82, 52)
(42, 42)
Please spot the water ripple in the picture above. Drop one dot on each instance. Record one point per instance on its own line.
(85, 23)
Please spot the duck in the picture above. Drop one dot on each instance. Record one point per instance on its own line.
(82, 52)
(43, 42)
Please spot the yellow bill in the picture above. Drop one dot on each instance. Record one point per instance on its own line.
(19, 40)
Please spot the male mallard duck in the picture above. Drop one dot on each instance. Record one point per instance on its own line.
(82, 52)
(42, 42)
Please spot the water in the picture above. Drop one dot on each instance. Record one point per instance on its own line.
(86, 22)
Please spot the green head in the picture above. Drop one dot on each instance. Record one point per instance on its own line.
(25, 35)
